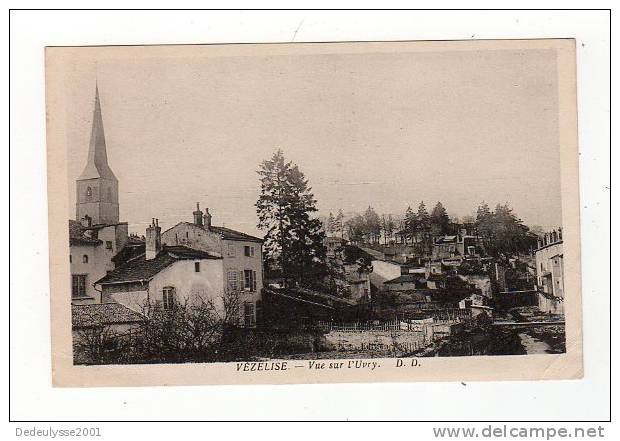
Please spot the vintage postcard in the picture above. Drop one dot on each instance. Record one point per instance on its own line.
(314, 212)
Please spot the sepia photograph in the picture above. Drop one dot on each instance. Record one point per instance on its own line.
(285, 209)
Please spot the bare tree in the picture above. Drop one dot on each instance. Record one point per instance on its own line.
(92, 342)
(188, 330)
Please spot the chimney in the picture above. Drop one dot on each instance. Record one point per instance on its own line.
(153, 239)
(207, 218)
(198, 215)
(87, 221)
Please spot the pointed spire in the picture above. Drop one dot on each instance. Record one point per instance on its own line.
(97, 164)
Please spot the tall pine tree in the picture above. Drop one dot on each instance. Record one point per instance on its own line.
(423, 226)
(372, 223)
(339, 223)
(410, 224)
(293, 236)
(439, 219)
(330, 224)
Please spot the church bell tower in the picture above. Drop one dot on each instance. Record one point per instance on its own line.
(97, 187)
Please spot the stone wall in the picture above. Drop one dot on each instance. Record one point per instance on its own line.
(383, 341)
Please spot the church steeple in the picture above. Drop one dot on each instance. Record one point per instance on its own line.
(97, 164)
(97, 187)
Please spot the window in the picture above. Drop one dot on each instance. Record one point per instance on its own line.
(249, 280)
(78, 285)
(168, 298)
(231, 250)
(248, 251)
(233, 280)
(70, 258)
(249, 318)
(197, 267)
(85, 258)
(108, 244)
(89, 193)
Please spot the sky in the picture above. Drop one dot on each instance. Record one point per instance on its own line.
(385, 129)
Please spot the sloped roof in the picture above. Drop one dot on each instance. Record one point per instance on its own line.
(310, 296)
(140, 269)
(311, 293)
(182, 252)
(446, 239)
(77, 236)
(226, 233)
(549, 296)
(297, 298)
(128, 252)
(98, 314)
(135, 240)
(408, 296)
(405, 278)
(353, 253)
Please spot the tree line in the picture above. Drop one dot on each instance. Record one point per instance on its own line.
(374, 228)
(294, 235)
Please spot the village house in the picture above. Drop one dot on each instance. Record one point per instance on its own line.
(408, 237)
(384, 270)
(351, 267)
(462, 245)
(96, 235)
(477, 304)
(357, 269)
(332, 245)
(549, 258)
(118, 318)
(406, 282)
(241, 254)
(101, 326)
(481, 282)
(165, 276)
(108, 265)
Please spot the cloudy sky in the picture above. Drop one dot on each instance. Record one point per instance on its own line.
(386, 129)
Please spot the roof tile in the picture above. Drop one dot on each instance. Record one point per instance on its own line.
(140, 269)
(98, 314)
